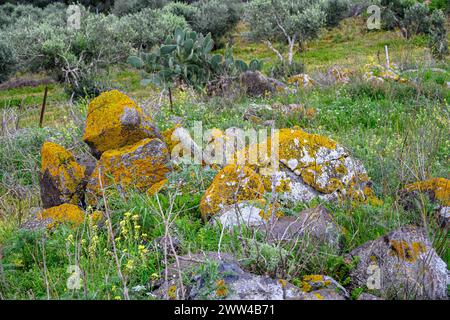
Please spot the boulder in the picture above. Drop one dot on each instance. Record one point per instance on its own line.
(66, 213)
(61, 177)
(114, 121)
(401, 265)
(231, 185)
(256, 84)
(317, 224)
(142, 166)
(224, 279)
(311, 166)
(438, 190)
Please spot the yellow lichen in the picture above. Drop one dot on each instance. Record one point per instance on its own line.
(105, 129)
(167, 137)
(440, 187)
(66, 173)
(221, 288)
(155, 188)
(121, 167)
(67, 213)
(406, 251)
(231, 185)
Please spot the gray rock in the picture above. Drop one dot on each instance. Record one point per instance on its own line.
(229, 282)
(443, 217)
(315, 223)
(257, 85)
(401, 265)
(368, 296)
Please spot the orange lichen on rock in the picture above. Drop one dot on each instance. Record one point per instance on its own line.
(439, 187)
(231, 185)
(407, 251)
(139, 166)
(114, 121)
(67, 213)
(61, 176)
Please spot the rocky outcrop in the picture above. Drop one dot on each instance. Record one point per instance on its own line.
(114, 121)
(61, 177)
(401, 265)
(142, 166)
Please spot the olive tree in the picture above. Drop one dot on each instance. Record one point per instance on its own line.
(293, 22)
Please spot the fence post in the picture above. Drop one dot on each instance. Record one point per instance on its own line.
(44, 102)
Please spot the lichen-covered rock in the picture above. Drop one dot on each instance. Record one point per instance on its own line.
(231, 185)
(229, 282)
(114, 121)
(61, 177)
(401, 265)
(316, 224)
(140, 166)
(256, 84)
(66, 213)
(438, 189)
(303, 80)
(315, 161)
(316, 282)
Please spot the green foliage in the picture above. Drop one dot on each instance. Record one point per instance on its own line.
(124, 7)
(215, 16)
(438, 35)
(188, 12)
(416, 20)
(336, 10)
(300, 19)
(282, 70)
(20, 156)
(7, 60)
(186, 56)
(443, 5)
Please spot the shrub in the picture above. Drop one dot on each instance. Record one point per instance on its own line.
(7, 60)
(215, 16)
(438, 35)
(183, 10)
(151, 27)
(336, 10)
(282, 70)
(394, 12)
(124, 7)
(417, 19)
